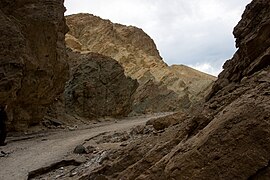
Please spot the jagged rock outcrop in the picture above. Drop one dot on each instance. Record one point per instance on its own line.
(33, 67)
(98, 87)
(227, 137)
(175, 87)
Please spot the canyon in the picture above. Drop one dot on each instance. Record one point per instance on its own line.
(77, 88)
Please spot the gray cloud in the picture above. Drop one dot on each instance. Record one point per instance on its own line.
(197, 33)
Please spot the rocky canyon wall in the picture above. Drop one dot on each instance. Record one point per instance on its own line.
(33, 67)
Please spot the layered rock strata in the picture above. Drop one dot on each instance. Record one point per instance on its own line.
(175, 87)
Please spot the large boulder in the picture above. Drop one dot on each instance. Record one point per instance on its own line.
(98, 87)
(33, 67)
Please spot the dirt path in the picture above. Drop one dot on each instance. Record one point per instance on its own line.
(31, 154)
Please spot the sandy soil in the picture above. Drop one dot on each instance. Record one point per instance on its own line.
(42, 150)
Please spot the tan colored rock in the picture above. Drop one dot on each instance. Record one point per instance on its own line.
(73, 43)
(176, 86)
(33, 67)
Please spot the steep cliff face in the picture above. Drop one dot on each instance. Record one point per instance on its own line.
(179, 86)
(227, 137)
(33, 67)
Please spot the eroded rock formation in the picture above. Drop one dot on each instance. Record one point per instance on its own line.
(98, 87)
(227, 137)
(162, 87)
(33, 67)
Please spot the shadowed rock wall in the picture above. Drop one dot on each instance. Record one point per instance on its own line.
(33, 67)
(98, 87)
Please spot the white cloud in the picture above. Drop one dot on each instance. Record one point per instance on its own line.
(194, 32)
(206, 67)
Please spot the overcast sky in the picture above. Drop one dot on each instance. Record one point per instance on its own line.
(197, 33)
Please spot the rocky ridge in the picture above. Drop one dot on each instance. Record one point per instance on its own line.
(177, 87)
(33, 67)
(224, 138)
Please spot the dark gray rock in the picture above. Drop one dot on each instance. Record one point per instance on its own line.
(80, 149)
(98, 87)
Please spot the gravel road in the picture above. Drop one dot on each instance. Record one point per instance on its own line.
(31, 154)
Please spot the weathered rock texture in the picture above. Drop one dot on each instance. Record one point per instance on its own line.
(162, 88)
(33, 69)
(225, 138)
(98, 87)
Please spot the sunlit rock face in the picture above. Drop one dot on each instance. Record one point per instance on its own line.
(33, 67)
(161, 87)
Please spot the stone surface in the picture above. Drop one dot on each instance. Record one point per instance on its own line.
(165, 122)
(33, 67)
(162, 87)
(227, 137)
(154, 97)
(80, 149)
(98, 87)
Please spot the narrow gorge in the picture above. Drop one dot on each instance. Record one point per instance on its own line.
(86, 98)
